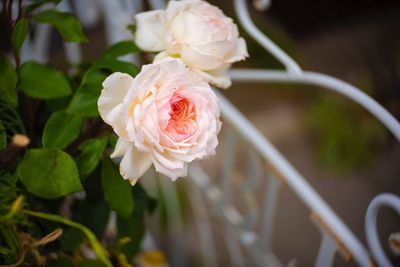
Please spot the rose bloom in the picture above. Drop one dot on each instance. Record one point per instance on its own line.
(166, 116)
(197, 32)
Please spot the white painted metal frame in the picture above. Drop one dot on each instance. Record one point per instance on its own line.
(335, 234)
(391, 201)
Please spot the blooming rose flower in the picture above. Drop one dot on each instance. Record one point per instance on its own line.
(166, 115)
(197, 32)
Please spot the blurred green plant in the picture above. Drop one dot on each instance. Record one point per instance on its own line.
(346, 135)
(53, 145)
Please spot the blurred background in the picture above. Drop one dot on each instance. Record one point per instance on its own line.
(345, 154)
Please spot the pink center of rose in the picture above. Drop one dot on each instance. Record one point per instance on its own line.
(182, 122)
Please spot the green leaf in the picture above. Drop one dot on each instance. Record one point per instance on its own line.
(85, 98)
(143, 202)
(132, 227)
(10, 242)
(112, 140)
(90, 263)
(19, 33)
(61, 261)
(93, 214)
(40, 81)
(66, 23)
(131, 28)
(120, 49)
(90, 156)
(61, 129)
(117, 191)
(49, 173)
(8, 188)
(93, 76)
(38, 4)
(71, 239)
(118, 65)
(57, 104)
(8, 81)
(3, 137)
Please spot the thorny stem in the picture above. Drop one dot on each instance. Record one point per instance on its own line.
(7, 8)
(32, 107)
(19, 9)
(4, 5)
(9, 14)
(17, 58)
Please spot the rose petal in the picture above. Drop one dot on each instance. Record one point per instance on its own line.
(173, 174)
(134, 164)
(150, 30)
(239, 53)
(220, 49)
(160, 56)
(196, 59)
(120, 148)
(115, 87)
(167, 160)
(218, 78)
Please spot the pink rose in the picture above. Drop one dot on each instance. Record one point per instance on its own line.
(197, 32)
(166, 115)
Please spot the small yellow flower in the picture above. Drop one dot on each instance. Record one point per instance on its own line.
(153, 258)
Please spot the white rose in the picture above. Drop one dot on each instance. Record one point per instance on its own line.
(197, 32)
(166, 116)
